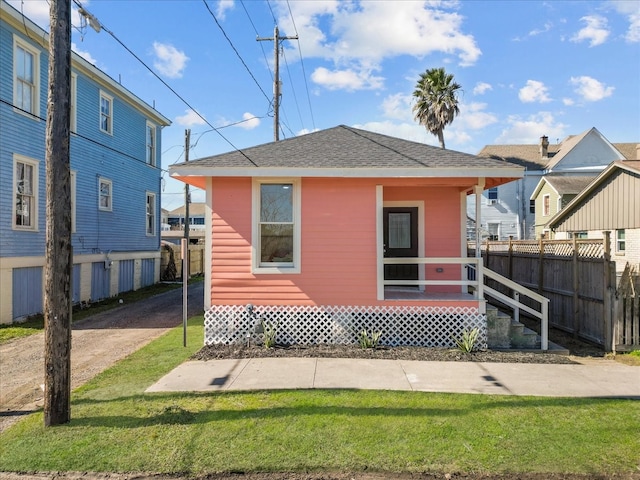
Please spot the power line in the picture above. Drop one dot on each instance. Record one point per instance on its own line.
(304, 73)
(165, 83)
(235, 50)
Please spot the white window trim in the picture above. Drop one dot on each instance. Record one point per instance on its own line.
(73, 201)
(100, 207)
(154, 146)
(74, 103)
(618, 250)
(546, 211)
(110, 98)
(35, 114)
(155, 214)
(256, 266)
(36, 193)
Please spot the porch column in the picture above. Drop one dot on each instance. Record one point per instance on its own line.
(478, 189)
(379, 242)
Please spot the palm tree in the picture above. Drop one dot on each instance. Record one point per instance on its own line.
(436, 101)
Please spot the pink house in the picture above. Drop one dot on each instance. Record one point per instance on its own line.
(341, 230)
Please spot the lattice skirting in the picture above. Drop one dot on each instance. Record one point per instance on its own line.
(308, 325)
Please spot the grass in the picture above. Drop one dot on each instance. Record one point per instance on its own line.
(35, 323)
(116, 427)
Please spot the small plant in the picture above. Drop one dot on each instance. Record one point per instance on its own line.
(367, 340)
(270, 330)
(467, 341)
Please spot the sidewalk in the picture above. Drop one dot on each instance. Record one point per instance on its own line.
(592, 378)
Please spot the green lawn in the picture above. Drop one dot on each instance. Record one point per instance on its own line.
(116, 427)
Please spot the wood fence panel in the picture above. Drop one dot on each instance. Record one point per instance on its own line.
(571, 274)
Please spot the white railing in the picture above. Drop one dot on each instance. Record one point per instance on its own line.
(481, 290)
(467, 262)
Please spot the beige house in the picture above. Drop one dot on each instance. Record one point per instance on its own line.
(611, 202)
(551, 195)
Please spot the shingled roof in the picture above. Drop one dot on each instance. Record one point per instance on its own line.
(568, 185)
(529, 156)
(346, 151)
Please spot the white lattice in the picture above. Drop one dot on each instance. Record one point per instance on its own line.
(308, 325)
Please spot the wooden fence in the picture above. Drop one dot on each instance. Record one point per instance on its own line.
(171, 261)
(579, 279)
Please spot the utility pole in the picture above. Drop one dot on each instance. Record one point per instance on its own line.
(58, 254)
(276, 81)
(187, 200)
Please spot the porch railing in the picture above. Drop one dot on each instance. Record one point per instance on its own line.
(477, 283)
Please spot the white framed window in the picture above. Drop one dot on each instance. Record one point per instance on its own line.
(151, 144)
(106, 113)
(26, 77)
(25, 193)
(151, 214)
(621, 245)
(492, 195)
(276, 226)
(546, 208)
(73, 102)
(105, 194)
(73, 201)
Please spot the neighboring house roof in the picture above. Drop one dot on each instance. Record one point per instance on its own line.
(605, 203)
(195, 209)
(346, 152)
(563, 184)
(529, 155)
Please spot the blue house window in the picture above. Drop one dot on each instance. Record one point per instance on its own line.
(151, 144)
(26, 193)
(106, 113)
(105, 194)
(26, 75)
(151, 214)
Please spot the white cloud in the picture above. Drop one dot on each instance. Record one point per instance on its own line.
(529, 130)
(223, 6)
(632, 10)
(409, 131)
(36, 10)
(169, 60)
(189, 119)
(568, 102)
(534, 91)
(590, 89)
(346, 79)
(537, 31)
(481, 88)
(86, 55)
(357, 36)
(596, 30)
(473, 116)
(398, 107)
(250, 121)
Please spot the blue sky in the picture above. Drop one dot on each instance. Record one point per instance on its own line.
(527, 68)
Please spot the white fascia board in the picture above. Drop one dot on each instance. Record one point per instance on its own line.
(189, 171)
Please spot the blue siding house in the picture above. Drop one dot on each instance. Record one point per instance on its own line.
(115, 176)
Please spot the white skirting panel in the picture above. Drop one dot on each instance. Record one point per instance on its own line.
(309, 325)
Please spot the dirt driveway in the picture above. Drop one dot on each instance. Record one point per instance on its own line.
(97, 342)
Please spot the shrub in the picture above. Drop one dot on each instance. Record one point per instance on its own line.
(367, 340)
(467, 341)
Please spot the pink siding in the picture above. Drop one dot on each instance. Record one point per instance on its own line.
(338, 242)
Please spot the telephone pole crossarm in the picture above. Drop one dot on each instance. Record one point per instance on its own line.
(276, 80)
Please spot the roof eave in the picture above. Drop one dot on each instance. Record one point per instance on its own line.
(436, 172)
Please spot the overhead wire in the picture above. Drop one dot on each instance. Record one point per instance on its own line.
(167, 85)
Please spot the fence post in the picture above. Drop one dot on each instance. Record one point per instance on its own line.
(576, 286)
(540, 266)
(608, 292)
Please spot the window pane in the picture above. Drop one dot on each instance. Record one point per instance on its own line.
(276, 202)
(276, 242)
(399, 230)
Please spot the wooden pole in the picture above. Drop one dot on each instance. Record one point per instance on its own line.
(576, 288)
(609, 291)
(58, 254)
